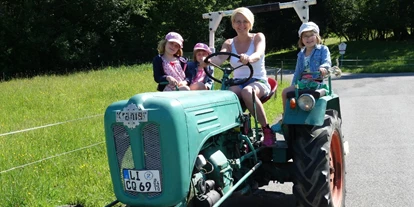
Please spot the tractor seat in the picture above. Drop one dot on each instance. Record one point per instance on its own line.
(263, 99)
(273, 88)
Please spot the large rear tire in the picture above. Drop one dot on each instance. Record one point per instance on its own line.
(319, 163)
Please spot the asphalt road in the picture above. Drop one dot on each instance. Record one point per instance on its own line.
(376, 121)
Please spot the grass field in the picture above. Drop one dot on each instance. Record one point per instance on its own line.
(65, 163)
(61, 157)
(52, 149)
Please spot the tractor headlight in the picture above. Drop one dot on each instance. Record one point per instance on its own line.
(306, 102)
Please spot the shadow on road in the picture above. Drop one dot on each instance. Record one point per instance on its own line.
(261, 198)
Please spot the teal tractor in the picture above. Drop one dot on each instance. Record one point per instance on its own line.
(198, 148)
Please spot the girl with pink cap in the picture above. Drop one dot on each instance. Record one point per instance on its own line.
(199, 79)
(169, 65)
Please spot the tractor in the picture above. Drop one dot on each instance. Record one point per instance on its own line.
(198, 148)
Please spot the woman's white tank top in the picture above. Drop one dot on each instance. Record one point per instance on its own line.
(259, 71)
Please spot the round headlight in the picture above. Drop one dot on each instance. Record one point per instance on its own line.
(306, 102)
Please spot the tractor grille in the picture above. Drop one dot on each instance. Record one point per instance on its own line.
(152, 150)
(123, 151)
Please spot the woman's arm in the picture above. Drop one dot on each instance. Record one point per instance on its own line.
(219, 59)
(259, 49)
(259, 46)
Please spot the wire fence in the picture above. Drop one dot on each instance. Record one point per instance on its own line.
(56, 155)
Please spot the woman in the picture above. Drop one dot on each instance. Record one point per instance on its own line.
(251, 48)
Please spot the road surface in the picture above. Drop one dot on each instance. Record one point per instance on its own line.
(377, 119)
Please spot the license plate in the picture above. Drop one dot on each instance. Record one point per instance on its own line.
(142, 180)
(132, 116)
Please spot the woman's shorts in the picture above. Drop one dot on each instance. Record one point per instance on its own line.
(265, 85)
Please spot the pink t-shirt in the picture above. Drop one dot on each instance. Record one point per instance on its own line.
(199, 77)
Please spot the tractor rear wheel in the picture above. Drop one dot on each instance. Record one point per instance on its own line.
(319, 163)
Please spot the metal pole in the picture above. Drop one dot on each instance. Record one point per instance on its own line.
(281, 72)
(112, 203)
(225, 196)
(255, 116)
(301, 7)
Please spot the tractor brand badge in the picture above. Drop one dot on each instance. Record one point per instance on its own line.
(148, 175)
(132, 115)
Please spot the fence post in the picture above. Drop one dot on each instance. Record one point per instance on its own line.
(281, 71)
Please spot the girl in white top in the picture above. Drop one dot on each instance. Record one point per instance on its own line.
(251, 48)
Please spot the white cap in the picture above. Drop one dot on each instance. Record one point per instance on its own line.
(308, 26)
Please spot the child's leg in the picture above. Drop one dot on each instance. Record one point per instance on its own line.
(198, 86)
(183, 88)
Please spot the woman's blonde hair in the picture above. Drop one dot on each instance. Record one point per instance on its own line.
(246, 13)
(318, 39)
(161, 48)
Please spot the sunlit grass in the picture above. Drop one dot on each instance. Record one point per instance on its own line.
(66, 163)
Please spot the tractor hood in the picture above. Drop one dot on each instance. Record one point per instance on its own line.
(154, 138)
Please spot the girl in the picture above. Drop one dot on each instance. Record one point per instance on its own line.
(169, 65)
(312, 57)
(199, 80)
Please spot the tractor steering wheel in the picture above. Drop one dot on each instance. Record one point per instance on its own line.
(227, 71)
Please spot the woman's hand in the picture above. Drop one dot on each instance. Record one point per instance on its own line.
(203, 64)
(244, 59)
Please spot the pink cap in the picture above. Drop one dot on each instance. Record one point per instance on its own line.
(175, 37)
(202, 46)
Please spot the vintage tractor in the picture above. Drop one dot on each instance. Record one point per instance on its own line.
(197, 148)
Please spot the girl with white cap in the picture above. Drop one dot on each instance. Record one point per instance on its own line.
(312, 57)
(199, 80)
(169, 65)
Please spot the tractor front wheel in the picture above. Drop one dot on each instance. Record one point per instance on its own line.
(319, 163)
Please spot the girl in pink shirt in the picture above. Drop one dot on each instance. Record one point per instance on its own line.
(199, 79)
